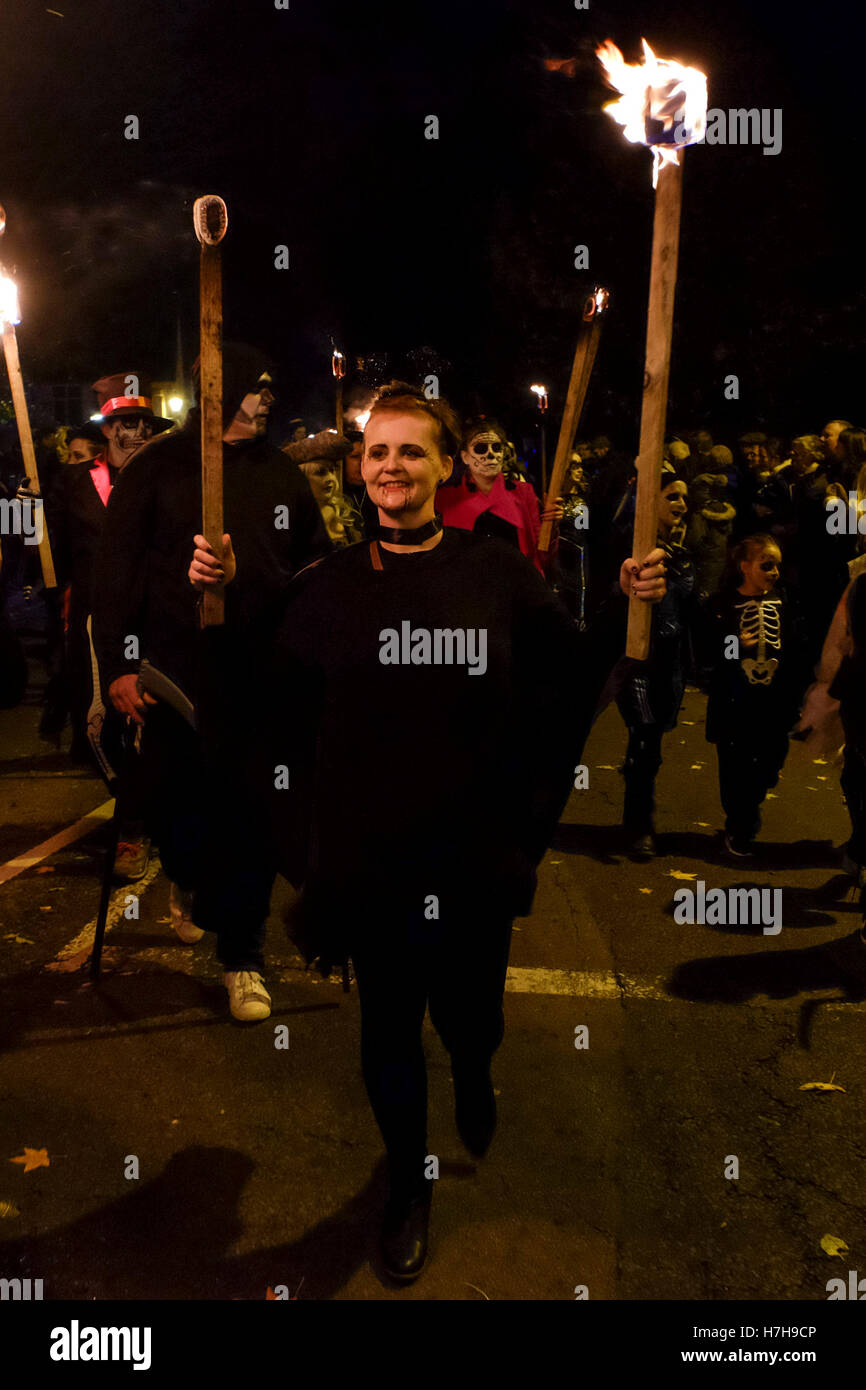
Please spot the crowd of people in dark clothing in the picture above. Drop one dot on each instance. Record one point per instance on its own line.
(385, 590)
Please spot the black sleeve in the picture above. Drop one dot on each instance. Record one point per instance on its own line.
(546, 655)
(120, 569)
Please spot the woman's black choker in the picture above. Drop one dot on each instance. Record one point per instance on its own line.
(393, 535)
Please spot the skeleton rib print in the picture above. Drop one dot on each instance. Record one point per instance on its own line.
(761, 631)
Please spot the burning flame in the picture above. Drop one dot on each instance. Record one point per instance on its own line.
(360, 420)
(9, 310)
(662, 104)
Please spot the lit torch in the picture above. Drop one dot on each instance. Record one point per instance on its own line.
(662, 105)
(338, 367)
(9, 316)
(542, 401)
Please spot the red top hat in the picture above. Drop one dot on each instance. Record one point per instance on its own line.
(128, 393)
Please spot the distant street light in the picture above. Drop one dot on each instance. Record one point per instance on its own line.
(175, 404)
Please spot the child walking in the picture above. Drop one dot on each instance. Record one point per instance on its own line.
(756, 684)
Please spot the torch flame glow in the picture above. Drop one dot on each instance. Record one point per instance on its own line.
(9, 310)
(662, 105)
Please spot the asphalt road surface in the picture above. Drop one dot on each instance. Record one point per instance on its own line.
(655, 1140)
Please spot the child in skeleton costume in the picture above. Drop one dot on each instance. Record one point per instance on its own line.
(650, 702)
(757, 681)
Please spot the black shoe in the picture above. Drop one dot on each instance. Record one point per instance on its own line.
(642, 846)
(739, 848)
(474, 1107)
(404, 1235)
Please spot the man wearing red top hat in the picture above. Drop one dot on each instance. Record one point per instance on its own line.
(76, 520)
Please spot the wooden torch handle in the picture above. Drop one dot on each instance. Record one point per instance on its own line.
(660, 321)
(22, 419)
(581, 371)
(211, 419)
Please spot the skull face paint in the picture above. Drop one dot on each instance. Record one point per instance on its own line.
(484, 456)
(125, 435)
(251, 420)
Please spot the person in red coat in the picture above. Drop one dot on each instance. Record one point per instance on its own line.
(483, 500)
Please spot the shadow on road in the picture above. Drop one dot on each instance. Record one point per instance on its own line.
(171, 1239)
(839, 964)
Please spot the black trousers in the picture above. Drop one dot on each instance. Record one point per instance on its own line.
(854, 790)
(643, 759)
(214, 837)
(456, 966)
(749, 767)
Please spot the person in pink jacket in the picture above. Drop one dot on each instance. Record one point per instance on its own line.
(484, 500)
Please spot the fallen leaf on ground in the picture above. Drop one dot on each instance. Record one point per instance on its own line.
(605, 767)
(833, 1245)
(688, 721)
(679, 873)
(46, 869)
(820, 762)
(704, 824)
(8, 1210)
(822, 1085)
(696, 767)
(46, 909)
(32, 1158)
(820, 778)
(22, 940)
(771, 796)
(555, 861)
(644, 890)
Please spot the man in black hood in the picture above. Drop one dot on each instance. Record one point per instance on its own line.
(212, 836)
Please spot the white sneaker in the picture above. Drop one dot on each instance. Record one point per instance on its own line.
(180, 909)
(248, 998)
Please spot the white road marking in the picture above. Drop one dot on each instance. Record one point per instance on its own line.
(589, 984)
(83, 942)
(603, 984)
(91, 821)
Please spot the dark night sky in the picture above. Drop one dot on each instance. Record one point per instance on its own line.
(310, 122)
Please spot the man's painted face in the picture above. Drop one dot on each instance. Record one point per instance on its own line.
(125, 435)
(485, 455)
(403, 463)
(82, 451)
(256, 407)
(672, 505)
(251, 420)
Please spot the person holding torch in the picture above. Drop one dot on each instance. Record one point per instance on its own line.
(424, 844)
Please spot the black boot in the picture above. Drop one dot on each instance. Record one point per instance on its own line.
(474, 1105)
(404, 1233)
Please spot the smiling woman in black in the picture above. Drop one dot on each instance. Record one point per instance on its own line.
(432, 675)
